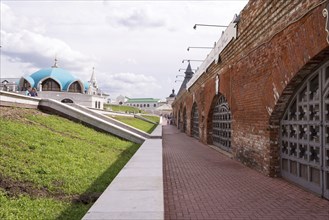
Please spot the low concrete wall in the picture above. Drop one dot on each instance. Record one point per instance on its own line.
(137, 191)
(111, 120)
(18, 100)
(108, 112)
(78, 115)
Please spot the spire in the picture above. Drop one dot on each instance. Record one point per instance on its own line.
(55, 64)
(189, 69)
(93, 81)
(188, 72)
(188, 75)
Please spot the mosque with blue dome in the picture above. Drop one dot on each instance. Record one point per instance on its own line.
(59, 84)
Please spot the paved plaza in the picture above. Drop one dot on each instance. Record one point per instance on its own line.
(201, 183)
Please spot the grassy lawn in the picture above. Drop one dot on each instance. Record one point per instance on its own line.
(137, 123)
(154, 118)
(122, 108)
(52, 168)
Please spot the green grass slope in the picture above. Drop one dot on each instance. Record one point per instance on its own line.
(53, 168)
(122, 108)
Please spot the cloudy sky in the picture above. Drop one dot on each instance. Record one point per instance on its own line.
(136, 47)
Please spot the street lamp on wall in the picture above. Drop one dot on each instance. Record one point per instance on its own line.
(184, 69)
(208, 25)
(192, 61)
(188, 49)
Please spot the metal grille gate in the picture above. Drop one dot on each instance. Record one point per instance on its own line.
(221, 124)
(195, 121)
(184, 120)
(304, 129)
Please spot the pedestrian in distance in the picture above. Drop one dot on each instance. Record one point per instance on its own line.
(28, 91)
(34, 92)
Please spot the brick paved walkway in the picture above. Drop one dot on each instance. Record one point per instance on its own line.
(201, 183)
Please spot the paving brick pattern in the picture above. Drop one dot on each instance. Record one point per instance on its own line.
(201, 183)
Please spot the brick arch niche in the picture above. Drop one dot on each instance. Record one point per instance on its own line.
(219, 123)
(299, 128)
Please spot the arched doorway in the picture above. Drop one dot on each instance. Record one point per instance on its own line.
(220, 124)
(195, 121)
(304, 134)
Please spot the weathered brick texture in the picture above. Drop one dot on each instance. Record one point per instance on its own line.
(279, 43)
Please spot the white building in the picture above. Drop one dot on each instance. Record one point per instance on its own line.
(147, 104)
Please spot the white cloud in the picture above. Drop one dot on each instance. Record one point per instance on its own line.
(12, 23)
(130, 84)
(129, 61)
(26, 44)
(135, 19)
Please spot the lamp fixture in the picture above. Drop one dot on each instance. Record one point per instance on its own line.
(208, 25)
(192, 60)
(188, 49)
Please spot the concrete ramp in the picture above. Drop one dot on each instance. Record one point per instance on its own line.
(18, 100)
(89, 119)
(111, 120)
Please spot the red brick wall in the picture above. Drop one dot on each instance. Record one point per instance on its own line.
(279, 42)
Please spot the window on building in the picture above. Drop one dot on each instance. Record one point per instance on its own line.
(75, 87)
(155, 105)
(50, 85)
(25, 85)
(148, 105)
(95, 104)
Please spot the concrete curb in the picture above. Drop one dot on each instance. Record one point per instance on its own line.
(137, 191)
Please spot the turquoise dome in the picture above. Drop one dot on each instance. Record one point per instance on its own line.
(61, 76)
(86, 85)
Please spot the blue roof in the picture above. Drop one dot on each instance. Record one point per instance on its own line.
(63, 77)
(86, 85)
(29, 79)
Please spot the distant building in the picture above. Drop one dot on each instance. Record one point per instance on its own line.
(120, 100)
(171, 98)
(146, 104)
(166, 108)
(8, 84)
(59, 84)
